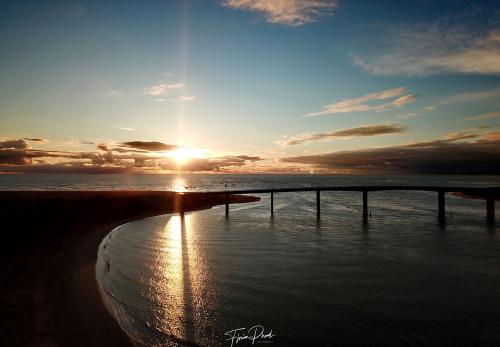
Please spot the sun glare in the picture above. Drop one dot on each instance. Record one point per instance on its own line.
(183, 155)
(179, 185)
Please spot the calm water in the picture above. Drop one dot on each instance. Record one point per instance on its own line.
(201, 182)
(401, 279)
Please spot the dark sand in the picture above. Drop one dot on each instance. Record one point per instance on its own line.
(49, 294)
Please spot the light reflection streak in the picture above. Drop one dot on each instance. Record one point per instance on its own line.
(179, 307)
(179, 185)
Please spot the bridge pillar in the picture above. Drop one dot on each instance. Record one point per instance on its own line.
(318, 205)
(227, 205)
(490, 208)
(272, 203)
(365, 205)
(441, 205)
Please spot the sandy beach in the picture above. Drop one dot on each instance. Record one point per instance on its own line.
(49, 293)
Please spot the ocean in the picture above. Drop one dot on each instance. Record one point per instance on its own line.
(204, 182)
(207, 279)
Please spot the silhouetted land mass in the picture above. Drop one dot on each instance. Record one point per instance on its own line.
(48, 291)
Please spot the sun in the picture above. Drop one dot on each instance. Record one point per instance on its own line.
(184, 154)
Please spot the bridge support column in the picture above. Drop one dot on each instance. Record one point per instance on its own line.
(365, 205)
(318, 205)
(490, 208)
(227, 205)
(441, 205)
(272, 203)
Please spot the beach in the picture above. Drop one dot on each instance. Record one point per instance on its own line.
(49, 293)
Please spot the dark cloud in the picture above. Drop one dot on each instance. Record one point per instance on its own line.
(25, 156)
(14, 144)
(69, 167)
(11, 152)
(365, 130)
(249, 157)
(126, 150)
(103, 147)
(434, 157)
(40, 140)
(19, 156)
(149, 145)
(460, 136)
(12, 157)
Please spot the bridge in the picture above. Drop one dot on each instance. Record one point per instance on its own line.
(488, 193)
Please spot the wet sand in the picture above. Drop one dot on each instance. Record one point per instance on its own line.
(49, 295)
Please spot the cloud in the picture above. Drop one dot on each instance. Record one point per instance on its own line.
(416, 113)
(19, 152)
(434, 157)
(125, 128)
(162, 89)
(456, 136)
(14, 144)
(485, 116)
(400, 102)
(114, 92)
(429, 48)
(288, 12)
(66, 168)
(149, 145)
(248, 158)
(39, 140)
(211, 164)
(365, 130)
(362, 103)
(472, 96)
(79, 10)
(10, 149)
(128, 157)
(186, 98)
(491, 136)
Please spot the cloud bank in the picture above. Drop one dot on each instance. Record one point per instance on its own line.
(18, 156)
(445, 156)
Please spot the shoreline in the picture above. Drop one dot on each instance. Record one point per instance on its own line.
(53, 297)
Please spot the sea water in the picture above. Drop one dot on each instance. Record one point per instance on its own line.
(402, 278)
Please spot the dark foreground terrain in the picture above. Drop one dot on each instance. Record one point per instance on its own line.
(48, 292)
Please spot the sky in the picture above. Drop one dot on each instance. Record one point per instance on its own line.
(279, 86)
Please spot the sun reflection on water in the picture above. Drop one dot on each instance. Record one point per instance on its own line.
(179, 185)
(182, 287)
